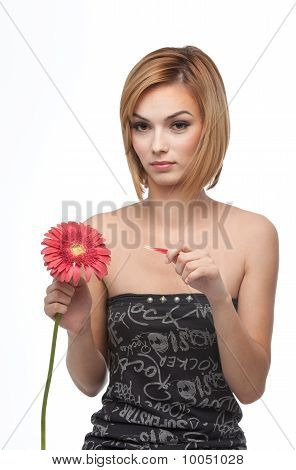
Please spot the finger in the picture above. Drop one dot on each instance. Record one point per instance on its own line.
(81, 281)
(172, 254)
(57, 296)
(191, 266)
(61, 286)
(187, 254)
(201, 271)
(52, 309)
(183, 260)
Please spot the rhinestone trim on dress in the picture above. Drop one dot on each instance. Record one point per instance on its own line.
(163, 299)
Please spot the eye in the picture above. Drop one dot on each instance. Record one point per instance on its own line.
(135, 126)
(186, 124)
(179, 123)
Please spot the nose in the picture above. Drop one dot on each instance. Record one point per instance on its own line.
(158, 143)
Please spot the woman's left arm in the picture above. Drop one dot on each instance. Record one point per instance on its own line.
(244, 336)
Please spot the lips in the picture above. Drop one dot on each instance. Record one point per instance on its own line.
(162, 163)
(162, 166)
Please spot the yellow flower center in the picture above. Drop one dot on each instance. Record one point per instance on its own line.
(77, 249)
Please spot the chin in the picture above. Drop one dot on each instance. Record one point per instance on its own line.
(166, 181)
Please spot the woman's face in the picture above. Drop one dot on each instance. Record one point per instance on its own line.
(155, 137)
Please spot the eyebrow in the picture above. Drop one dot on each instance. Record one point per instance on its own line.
(167, 118)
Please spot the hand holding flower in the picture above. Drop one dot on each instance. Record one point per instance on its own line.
(73, 303)
(70, 247)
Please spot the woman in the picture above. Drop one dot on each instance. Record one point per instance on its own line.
(185, 335)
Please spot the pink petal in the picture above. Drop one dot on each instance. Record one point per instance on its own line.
(88, 272)
(105, 259)
(54, 264)
(63, 275)
(69, 274)
(52, 257)
(50, 234)
(76, 275)
(54, 273)
(103, 251)
(50, 242)
(48, 250)
(56, 232)
(101, 267)
(99, 272)
(63, 266)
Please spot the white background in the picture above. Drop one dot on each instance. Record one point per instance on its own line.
(63, 66)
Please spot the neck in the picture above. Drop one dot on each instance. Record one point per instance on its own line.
(170, 212)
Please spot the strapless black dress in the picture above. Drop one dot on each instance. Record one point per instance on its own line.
(166, 387)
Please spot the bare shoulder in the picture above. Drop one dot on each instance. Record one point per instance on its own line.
(254, 224)
(102, 221)
(249, 223)
(111, 225)
(257, 233)
(98, 220)
(250, 230)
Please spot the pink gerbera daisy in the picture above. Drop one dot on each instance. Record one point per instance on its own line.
(72, 246)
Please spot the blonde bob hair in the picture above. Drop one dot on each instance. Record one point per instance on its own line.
(196, 70)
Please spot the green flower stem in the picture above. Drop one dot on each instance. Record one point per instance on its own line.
(53, 346)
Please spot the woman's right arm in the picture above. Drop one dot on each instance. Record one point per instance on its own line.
(84, 317)
(86, 365)
(87, 355)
